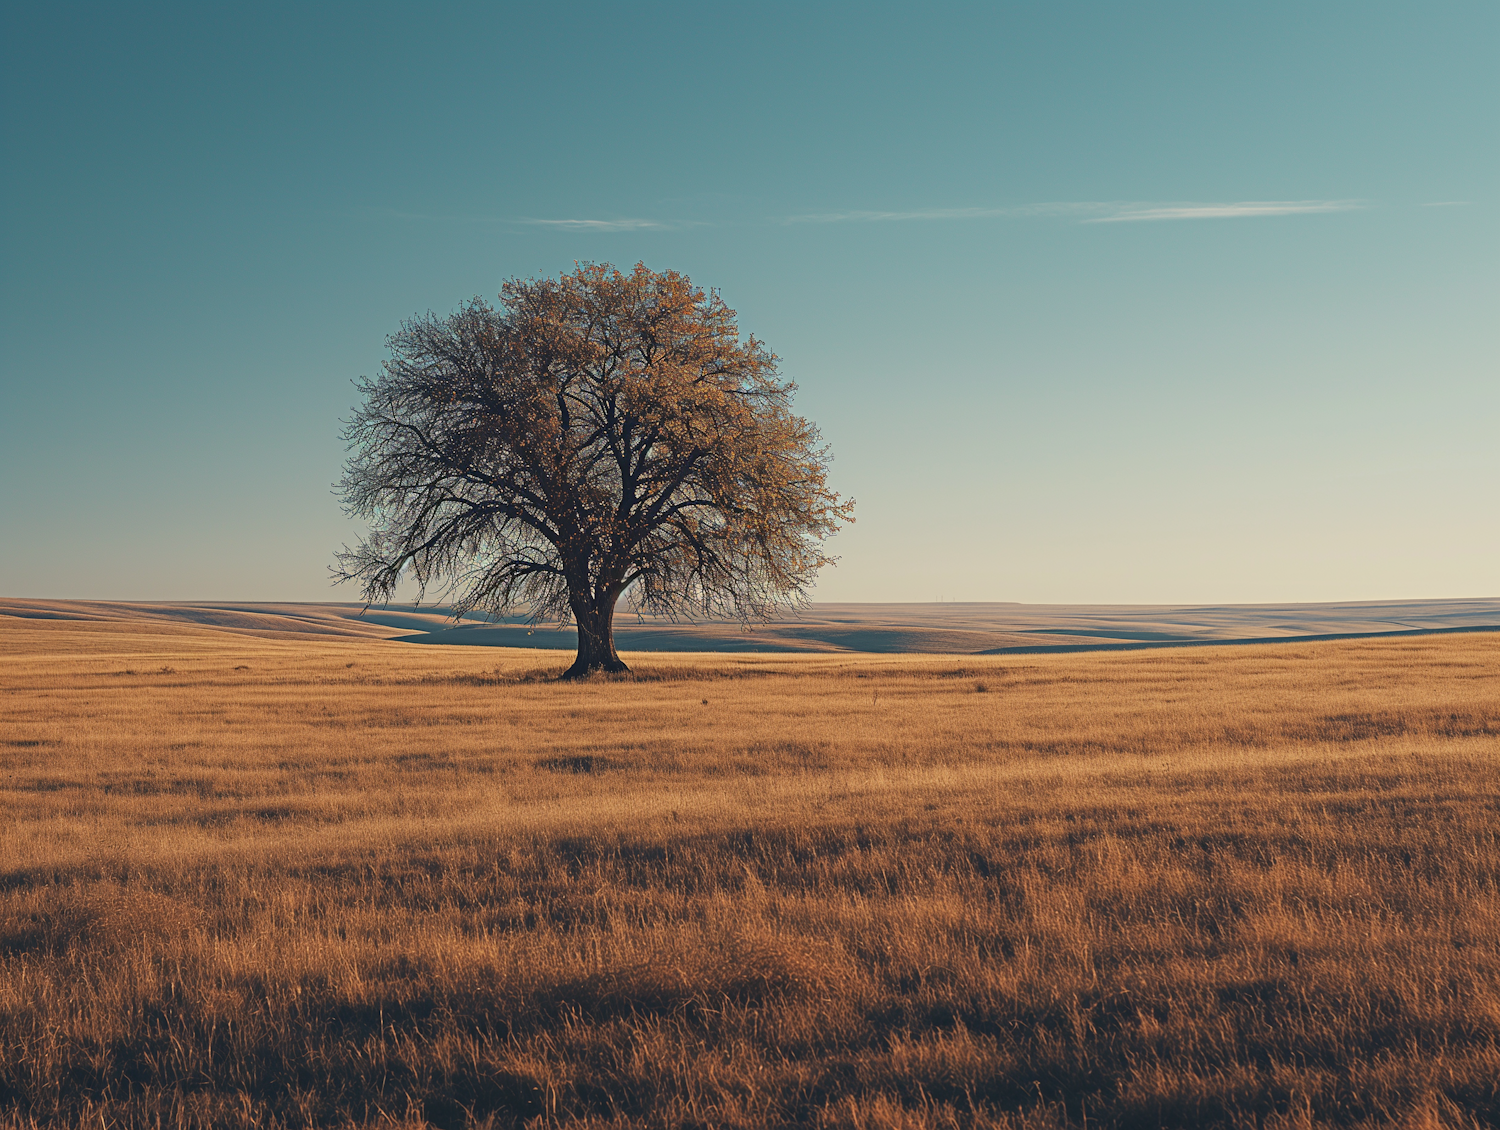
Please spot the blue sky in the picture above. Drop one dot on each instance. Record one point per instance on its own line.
(1095, 302)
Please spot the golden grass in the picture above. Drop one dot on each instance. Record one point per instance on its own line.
(253, 882)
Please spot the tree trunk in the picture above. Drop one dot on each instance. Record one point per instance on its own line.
(596, 638)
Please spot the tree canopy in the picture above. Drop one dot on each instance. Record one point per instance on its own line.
(594, 435)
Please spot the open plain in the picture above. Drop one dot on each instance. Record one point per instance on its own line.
(348, 881)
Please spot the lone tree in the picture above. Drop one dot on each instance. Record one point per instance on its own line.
(598, 434)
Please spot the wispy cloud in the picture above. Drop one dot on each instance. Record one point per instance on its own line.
(561, 225)
(600, 225)
(1446, 204)
(1081, 211)
(1126, 213)
(1091, 211)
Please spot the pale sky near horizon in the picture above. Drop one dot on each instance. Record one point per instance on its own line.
(1095, 302)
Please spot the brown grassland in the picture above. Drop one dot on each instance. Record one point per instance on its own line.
(266, 882)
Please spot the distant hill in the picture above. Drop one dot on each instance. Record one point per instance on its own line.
(972, 628)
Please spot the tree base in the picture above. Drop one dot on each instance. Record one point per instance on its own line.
(582, 668)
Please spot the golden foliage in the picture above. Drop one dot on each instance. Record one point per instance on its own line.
(601, 433)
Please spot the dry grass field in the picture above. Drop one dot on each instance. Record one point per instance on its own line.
(258, 882)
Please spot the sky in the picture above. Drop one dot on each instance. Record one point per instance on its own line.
(1094, 302)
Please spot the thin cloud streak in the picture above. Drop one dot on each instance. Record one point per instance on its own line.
(1243, 209)
(564, 225)
(1092, 212)
(601, 225)
(1086, 211)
